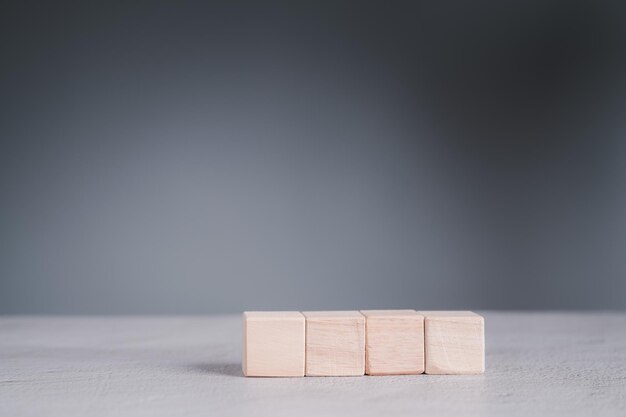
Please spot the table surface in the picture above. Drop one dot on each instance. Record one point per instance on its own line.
(569, 364)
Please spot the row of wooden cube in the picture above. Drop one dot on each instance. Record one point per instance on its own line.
(353, 343)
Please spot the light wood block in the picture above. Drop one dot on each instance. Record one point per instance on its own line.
(273, 343)
(454, 342)
(335, 343)
(394, 342)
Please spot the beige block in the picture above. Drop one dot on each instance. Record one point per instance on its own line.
(394, 342)
(454, 342)
(273, 343)
(335, 343)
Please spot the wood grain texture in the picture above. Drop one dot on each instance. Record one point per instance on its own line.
(454, 342)
(539, 364)
(273, 343)
(335, 343)
(394, 342)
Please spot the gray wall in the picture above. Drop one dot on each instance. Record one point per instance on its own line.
(202, 158)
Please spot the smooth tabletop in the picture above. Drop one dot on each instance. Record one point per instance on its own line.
(557, 364)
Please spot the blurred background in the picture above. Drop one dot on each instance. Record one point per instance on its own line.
(183, 157)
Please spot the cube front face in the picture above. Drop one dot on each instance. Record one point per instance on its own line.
(454, 343)
(394, 342)
(274, 344)
(335, 343)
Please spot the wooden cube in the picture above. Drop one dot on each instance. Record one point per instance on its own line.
(454, 342)
(335, 343)
(394, 342)
(273, 343)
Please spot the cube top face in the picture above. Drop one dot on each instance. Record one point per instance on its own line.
(390, 313)
(335, 343)
(333, 315)
(454, 343)
(274, 344)
(460, 315)
(394, 342)
(268, 315)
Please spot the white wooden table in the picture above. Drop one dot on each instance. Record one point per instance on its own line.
(564, 364)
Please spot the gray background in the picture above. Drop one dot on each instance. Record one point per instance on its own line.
(219, 157)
